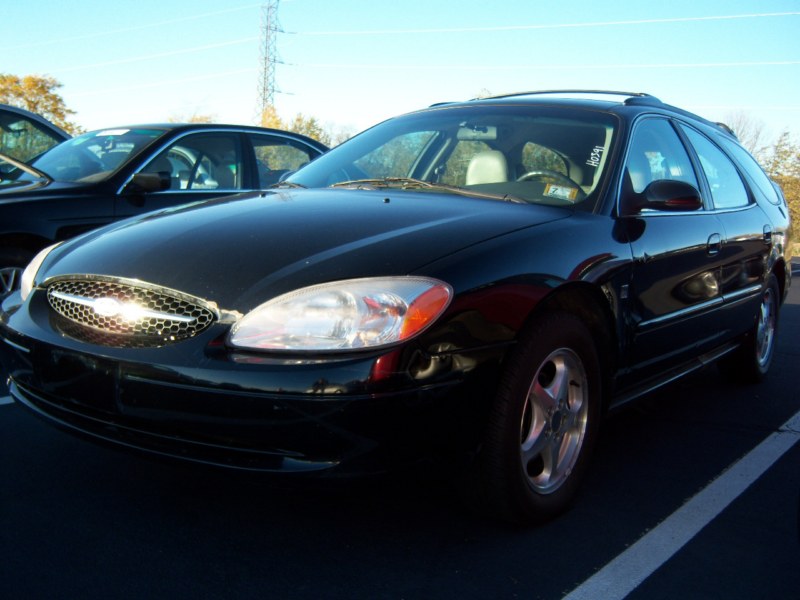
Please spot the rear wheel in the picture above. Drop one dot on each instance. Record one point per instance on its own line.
(12, 262)
(543, 423)
(751, 361)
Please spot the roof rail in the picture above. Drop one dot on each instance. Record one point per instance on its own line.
(631, 97)
(727, 128)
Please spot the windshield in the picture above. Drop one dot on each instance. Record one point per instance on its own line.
(542, 155)
(93, 156)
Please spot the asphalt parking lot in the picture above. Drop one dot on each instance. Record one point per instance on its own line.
(693, 494)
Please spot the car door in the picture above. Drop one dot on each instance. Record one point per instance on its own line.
(748, 234)
(197, 166)
(675, 282)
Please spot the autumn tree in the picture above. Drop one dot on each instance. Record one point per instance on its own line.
(781, 161)
(304, 125)
(780, 158)
(192, 118)
(37, 94)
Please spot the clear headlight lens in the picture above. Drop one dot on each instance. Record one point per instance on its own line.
(28, 279)
(344, 315)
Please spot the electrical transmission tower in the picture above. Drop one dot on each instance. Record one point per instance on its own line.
(269, 56)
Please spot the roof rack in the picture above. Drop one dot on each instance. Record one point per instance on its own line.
(630, 97)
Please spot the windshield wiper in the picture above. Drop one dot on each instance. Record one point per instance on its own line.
(26, 167)
(390, 182)
(285, 184)
(409, 183)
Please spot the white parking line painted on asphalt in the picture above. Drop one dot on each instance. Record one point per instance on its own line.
(6, 400)
(624, 574)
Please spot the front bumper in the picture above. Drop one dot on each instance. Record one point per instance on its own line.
(197, 401)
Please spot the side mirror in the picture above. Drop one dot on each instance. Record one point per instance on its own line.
(143, 183)
(666, 195)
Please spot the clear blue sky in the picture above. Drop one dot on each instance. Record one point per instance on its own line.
(352, 63)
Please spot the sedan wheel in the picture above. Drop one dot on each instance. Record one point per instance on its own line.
(9, 279)
(766, 327)
(543, 423)
(12, 263)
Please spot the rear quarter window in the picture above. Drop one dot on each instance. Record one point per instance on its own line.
(753, 171)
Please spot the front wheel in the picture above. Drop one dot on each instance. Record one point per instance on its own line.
(543, 423)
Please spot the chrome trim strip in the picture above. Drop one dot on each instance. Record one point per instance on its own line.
(684, 312)
(136, 283)
(743, 294)
(128, 311)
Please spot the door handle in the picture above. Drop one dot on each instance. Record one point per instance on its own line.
(767, 234)
(714, 244)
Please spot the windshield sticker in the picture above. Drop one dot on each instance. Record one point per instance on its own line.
(113, 132)
(561, 192)
(595, 156)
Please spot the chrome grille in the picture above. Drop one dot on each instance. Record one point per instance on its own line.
(127, 310)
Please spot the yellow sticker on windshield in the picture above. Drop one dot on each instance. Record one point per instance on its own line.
(562, 192)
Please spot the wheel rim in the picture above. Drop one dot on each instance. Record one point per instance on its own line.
(765, 331)
(554, 421)
(9, 279)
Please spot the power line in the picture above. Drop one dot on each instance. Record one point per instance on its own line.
(133, 59)
(440, 30)
(108, 32)
(549, 67)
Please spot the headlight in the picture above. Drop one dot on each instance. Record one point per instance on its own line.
(29, 274)
(344, 315)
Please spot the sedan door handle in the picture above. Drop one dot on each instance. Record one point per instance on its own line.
(714, 244)
(768, 234)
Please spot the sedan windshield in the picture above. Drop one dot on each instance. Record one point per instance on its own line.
(541, 155)
(93, 156)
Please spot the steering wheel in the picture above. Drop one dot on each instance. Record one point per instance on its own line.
(542, 173)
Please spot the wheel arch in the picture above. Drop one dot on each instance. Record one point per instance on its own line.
(22, 241)
(591, 306)
(779, 270)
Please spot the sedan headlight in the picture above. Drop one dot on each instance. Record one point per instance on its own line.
(28, 279)
(344, 315)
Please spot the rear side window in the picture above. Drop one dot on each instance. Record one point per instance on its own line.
(276, 156)
(23, 138)
(727, 189)
(752, 170)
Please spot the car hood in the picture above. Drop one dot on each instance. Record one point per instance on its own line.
(242, 250)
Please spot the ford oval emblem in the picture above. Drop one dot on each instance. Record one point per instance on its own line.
(106, 307)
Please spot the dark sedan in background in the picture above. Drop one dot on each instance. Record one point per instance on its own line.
(474, 283)
(106, 175)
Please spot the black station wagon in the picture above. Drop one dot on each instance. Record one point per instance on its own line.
(473, 284)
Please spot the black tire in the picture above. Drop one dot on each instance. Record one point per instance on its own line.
(543, 423)
(751, 361)
(12, 262)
